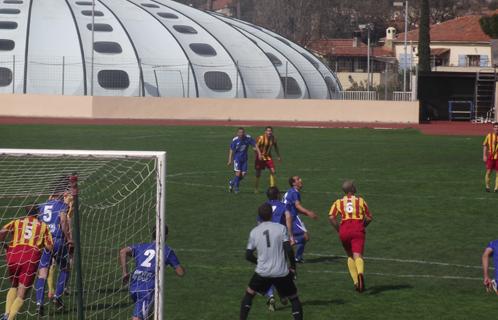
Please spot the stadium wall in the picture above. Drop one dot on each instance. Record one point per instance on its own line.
(208, 109)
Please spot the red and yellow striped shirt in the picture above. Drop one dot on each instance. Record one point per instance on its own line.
(491, 144)
(350, 208)
(265, 145)
(30, 232)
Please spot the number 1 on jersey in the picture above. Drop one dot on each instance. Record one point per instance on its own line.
(267, 235)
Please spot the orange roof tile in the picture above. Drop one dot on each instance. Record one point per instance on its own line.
(344, 47)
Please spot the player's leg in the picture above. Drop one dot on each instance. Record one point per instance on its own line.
(286, 288)
(273, 174)
(257, 169)
(271, 299)
(27, 274)
(13, 268)
(344, 236)
(357, 246)
(18, 301)
(144, 300)
(257, 284)
(496, 175)
(51, 280)
(43, 267)
(487, 177)
(301, 237)
(62, 259)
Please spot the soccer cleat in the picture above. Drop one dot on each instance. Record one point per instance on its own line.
(361, 283)
(494, 286)
(50, 295)
(230, 186)
(40, 310)
(300, 260)
(271, 304)
(488, 190)
(4, 317)
(59, 304)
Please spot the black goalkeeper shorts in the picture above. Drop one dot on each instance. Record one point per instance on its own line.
(284, 285)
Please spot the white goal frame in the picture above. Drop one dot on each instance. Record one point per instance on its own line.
(160, 157)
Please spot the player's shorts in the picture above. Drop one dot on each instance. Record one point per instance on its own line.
(492, 164)
(240, 165)
(22, 263)
(352, 235)
(60, 254)
(298, 226)
(284, 285)
(263, 164)
(144, 300)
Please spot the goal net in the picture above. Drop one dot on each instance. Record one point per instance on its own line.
(121, 201)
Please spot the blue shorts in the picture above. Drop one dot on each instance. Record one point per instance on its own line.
(61, 255)
(298, 226)
(240, 165)
(144, 300)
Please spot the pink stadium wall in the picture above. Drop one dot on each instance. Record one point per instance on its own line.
(209, 109)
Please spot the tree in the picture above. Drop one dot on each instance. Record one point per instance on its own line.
(424, 41)
(490, 25)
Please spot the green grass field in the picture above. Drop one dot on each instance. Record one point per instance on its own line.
(431, 218)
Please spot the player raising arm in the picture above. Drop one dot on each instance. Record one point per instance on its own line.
(142, 284)
(238, 155)
(490, 250)
(355, 216)
(29, 237)
(271, 242)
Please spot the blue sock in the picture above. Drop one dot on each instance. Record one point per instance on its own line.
(40, 290)
(269, 293)
(300, 244)
(236, 182)
(61, 283)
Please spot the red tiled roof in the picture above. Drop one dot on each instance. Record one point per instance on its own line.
(463, 29)
(344, 48)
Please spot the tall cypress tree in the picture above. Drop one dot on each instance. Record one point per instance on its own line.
(424, 40)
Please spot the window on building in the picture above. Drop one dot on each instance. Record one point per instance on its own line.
(203, 49)
(113, 79)
(291, 87)
(107, 47)
(96, 13)
(100, 27)
(473, 60)
(273, 58)
(7, 45)
(185, 29)
(218, 81)
(167, 15)
(9, 11)
(8, 25)
(5, 77)
(150, 5)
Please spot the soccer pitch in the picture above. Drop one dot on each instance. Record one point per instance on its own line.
(432, 218)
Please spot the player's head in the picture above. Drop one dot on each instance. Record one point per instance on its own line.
(348, 187)
(31, 210)
(296, 182)
(166, 230)
(241, 132)
(273, 193)
(495, 127)
(265, 212)
(268, 131)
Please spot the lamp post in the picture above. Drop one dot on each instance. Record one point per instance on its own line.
(92, 47)
(369, 27)
(400, 4)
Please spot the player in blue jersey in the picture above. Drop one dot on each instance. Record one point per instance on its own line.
(142, 280)
(491, 250)
(292, 200)
(54, 214)
(238, 155)
(282, 216)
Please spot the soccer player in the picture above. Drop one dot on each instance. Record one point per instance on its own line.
(355, 216)
(490, 250)
(142, 282)
(266, 143)
(271, 242)
(292, 199)
(490, 156)
(238, 154)
(54, 213)
(29, 237)
(283, 216)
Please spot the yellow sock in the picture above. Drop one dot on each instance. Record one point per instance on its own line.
(352, 270)
(51, 279)
(360, 265)
(273, 180)
(487, 178)
(16, 306)
(496, 182)
(11, 296)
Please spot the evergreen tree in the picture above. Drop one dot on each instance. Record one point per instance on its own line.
(424, 41)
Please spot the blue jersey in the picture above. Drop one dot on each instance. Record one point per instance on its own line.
(50, 213)
(143, 277)
(279, 210)
(291, 196)
(239, 146)
(493, 245)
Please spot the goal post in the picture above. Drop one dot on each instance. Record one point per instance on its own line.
(118, 197)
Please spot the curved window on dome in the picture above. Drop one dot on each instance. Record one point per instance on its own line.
(7, 45)
(311, 60)
(273, 58)
(185, 29)
(150, 5)
(88, 13)
(100, 27)
(331, 84)
(9, 11)
(8, 25)
(203, 49)
(167, 15)
(218, 81)
(13, 2)
(291, 87)
(5, 77)
(107, 47)
(113, 79)
(84, 3)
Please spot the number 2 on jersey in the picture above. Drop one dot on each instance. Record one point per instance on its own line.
(150, 254)
(267, 235)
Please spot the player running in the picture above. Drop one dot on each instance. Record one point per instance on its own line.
(355, 216)
(266, 143)
(283, 216)
(143, 282)
(238, 154)
(490, 250)
(54, 214)
(271, 242)
(490, 156)
(292, 199)
(29, 237)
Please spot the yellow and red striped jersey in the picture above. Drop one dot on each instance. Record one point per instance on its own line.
(491, 143)
(30, 232)
(350, 208)
(265, 145)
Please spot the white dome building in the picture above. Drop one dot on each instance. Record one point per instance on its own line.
(149, 48)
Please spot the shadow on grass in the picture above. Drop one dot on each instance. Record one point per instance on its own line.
(380, 289)
(323, 302)
(331, 259)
